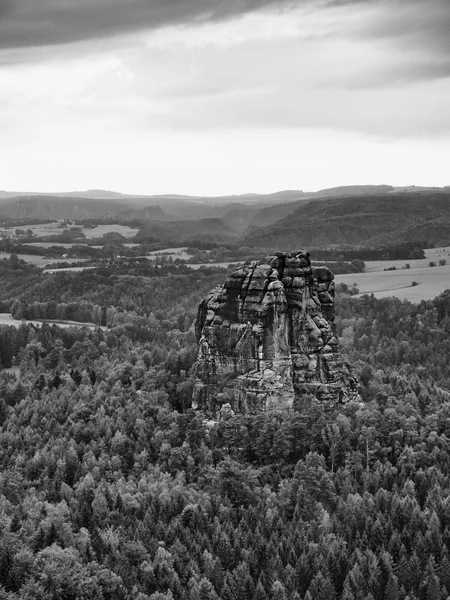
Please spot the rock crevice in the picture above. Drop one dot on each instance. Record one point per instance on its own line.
(267, 338)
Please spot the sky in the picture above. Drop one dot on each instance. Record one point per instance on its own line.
(213, 97)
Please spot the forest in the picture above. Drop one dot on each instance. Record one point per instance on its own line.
(112, 487)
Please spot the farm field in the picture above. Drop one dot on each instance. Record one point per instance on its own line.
(431, 281)
(225, 265)
(171, 252)
(100, 230)
(7, 319)
(46, 245)
(431, 255)
(41, 261)
(46, 229)
(64, 269)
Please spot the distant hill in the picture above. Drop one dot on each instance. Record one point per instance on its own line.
(50, 207)
(153, 213)
(270, 214)
(360, 220)
(238, 216)
(363, 214)
(91, 194)
(250, 198)
(353, 190)
(182, 232)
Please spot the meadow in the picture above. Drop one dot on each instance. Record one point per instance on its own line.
(41, 261)
(431, 255)
(431, 281)
(53, 228)
(7, 319)
(47, 245)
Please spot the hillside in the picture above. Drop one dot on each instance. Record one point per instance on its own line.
(362, 220)
(180, 232)
(353, 190)
(281, 221)
(52, 207)
(273, 213)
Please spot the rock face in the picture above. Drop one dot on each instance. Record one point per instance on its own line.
(267, 338)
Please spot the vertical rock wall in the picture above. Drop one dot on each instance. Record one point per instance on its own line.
(266, 338)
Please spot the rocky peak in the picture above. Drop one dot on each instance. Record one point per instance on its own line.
(267, 339)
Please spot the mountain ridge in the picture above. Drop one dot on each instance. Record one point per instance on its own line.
(360, 220)
(283, 195)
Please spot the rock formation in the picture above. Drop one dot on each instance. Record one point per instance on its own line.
(267, 339)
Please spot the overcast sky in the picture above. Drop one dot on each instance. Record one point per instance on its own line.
(223, 96)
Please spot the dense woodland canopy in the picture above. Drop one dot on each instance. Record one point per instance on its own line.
(112, 487)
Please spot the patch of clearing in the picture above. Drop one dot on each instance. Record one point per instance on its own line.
(47, 229)
(47, 245)
(7, 319)
(431, 281)
(431, 255)
(41, 261)
(100, 230)
(65, 269)
(170, 252)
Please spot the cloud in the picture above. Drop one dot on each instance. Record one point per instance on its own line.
(418, 28)
(269, 76)
(25, 23)
(413, 34)
(31, 23)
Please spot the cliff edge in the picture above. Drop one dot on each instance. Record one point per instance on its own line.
(266, 338)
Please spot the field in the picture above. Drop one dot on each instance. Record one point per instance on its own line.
(171, 252)
(65, 269)
(47, 245)
(431, 255)
(431, 281)
(41, 261)
(100, 230)
(7, 319)
(46, 229)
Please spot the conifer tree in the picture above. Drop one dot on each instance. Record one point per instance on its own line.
(260, 594)
(321, 588)
(391, 589)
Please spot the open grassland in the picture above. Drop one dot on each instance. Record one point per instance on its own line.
(100, 230)
(66, 269)
(47, 229)
(47, 245)
(170, 252)
(431, 281)
(431, 255)
(41, 261)
(7, 319)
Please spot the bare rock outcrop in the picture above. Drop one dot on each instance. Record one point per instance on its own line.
(267, 339)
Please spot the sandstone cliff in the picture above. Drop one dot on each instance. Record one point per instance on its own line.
(267, 339)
